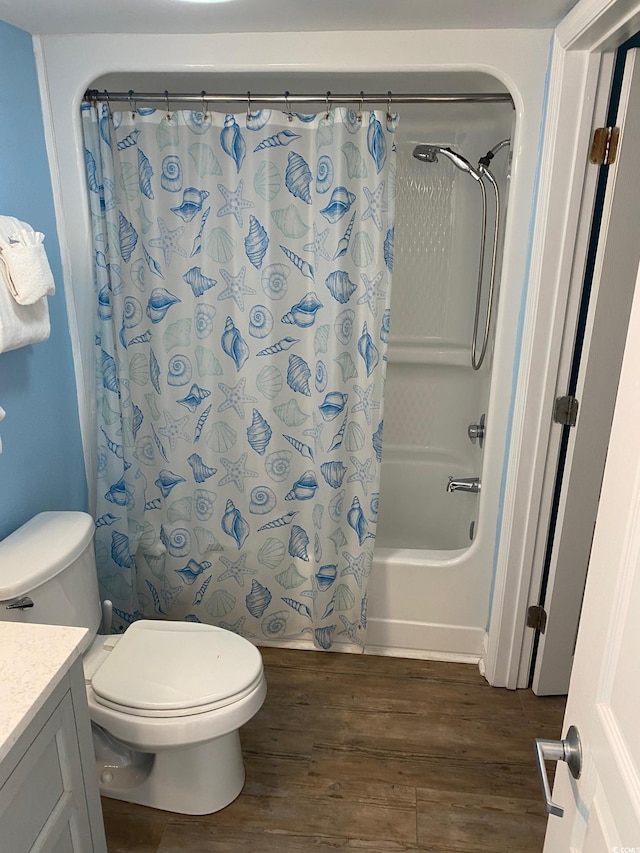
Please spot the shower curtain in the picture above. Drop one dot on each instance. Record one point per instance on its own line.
(242, 274)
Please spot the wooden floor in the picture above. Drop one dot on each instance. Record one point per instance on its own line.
(371, 754)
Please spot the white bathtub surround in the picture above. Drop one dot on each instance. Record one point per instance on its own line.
(419, 61)
(433, 543)
(447, 587)
(416, 513)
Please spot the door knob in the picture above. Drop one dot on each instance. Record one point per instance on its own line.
(568, 750)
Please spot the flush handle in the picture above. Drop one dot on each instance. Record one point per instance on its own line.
(568, 750)
(23, 603)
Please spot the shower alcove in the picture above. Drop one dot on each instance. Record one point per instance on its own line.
(429, 590)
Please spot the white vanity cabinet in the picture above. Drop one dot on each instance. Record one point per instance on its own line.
(49, 799)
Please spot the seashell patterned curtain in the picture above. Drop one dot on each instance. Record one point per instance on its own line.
(242, 275)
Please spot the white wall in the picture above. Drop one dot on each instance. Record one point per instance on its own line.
(517, 58)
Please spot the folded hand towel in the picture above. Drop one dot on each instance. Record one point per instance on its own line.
(21, 324)
(24, 261)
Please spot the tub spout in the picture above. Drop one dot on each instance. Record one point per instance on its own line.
(464, 484)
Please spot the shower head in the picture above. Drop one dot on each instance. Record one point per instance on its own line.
(429, 154)
(426, 153)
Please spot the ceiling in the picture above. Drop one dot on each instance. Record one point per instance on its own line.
(175, 16)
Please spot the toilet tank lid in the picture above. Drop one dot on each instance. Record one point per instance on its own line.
(40, 549)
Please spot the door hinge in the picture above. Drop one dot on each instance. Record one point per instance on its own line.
(537, 618)
(604, 146)
(565, 411)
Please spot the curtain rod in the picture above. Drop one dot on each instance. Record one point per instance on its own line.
(288, 99)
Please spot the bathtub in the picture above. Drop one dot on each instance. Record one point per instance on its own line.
(416, 512)
(425, 580)
(430, 583)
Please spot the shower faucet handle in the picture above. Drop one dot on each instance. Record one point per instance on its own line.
(476, 432)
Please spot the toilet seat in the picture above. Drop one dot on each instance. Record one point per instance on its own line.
(176, 669)
(153, 734)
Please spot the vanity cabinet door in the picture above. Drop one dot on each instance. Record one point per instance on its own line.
(42, 802)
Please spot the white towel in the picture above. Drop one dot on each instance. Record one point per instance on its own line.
(21, 325)
(24, 261)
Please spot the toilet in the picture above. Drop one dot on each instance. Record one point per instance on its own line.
(166, 699)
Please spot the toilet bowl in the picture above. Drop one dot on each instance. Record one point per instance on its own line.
(166, 699)
(175, 694)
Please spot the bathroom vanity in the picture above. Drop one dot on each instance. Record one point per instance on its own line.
(49, 798)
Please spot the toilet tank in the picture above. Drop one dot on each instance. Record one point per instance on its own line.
(51, 560)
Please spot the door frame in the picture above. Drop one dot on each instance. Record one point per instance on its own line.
(609, 284)
(579, 82)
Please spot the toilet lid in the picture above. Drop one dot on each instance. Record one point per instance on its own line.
(160, 667)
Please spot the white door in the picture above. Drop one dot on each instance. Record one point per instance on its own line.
(612, 291)
(602, 807)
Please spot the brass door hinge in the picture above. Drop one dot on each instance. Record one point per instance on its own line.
(604, 146)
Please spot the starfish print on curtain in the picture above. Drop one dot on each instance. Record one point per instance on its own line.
(242, 278)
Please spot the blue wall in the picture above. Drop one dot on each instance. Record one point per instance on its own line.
(41, 466)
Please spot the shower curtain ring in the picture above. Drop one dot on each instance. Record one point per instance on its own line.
(360, 106)
(106, 96)
(287, 106)
(205, 105)
(132, 103)
(166, 97)
(328, 106)
(248, 105)
(389, 116)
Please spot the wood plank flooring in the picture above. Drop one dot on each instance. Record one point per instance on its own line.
(363, 753)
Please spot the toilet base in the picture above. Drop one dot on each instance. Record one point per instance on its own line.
(196, 780)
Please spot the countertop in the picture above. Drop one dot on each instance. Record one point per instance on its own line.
(33, 661)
